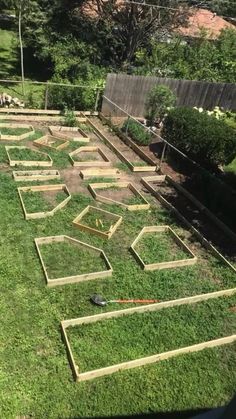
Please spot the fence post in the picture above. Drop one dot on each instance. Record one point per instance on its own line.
(162, 155)
(46, 97)
(127, 125)
(97, 99)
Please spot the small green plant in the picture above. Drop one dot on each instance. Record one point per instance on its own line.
(138, 133)
(69, 118)
(159, 100)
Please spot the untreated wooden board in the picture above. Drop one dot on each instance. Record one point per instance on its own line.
(43, 188)
(35, 175)
(115, 222)
(18, 111)
(13, 137)
(121, 155)
(105, 162)
(147, 183)
(38, 163)
(32, 118)
(69, 132)
(49, 140)
(100, 172)
(78, 376)
(127, 140)
(51, 282)
(163, 265)
(95, 187)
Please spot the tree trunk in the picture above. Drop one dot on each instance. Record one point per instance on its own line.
(21, 49)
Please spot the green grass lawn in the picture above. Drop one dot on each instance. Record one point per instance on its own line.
(8, 57)
(14, 131)
(159, 247)
(35, 376)
(130, 337)
(26, 154)
(10, 69)
(64, 259)
(37, 201)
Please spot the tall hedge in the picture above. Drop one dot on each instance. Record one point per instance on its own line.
(203, 138)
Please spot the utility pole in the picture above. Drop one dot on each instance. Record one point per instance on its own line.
(21, 47)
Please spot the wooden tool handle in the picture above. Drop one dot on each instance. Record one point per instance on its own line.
(135, 301)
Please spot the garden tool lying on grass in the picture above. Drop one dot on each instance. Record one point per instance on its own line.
(100, 301)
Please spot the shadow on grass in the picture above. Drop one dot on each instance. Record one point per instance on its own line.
(186, 414)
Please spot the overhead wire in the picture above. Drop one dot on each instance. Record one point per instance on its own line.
(139, 3)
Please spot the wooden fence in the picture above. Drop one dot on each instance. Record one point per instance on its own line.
(130, 92)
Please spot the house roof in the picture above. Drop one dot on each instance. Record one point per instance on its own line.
(207, 20)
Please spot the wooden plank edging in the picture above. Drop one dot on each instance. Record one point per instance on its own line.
(163, 265)
(127, 185)
(51, 282)
(145, 181)
(35, 175)
(28, 163)
(119, 153)
(43, 188)
(142, 309)
(77, 222)
(90, 163)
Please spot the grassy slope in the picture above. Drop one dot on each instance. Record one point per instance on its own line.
(140, 335)
(10, 69)
(34, 372)
(7, 53)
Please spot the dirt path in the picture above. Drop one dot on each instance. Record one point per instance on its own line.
(129, 153)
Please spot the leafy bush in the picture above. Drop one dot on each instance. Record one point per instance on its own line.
(69, 118)
(78, 98)
(138, 133)
(159, 99)
(202, 137)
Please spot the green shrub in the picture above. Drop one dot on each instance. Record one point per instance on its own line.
(69, 118)
(159, 100)
(205, 139)
(138, 133)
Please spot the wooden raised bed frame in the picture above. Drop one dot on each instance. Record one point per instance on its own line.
(48, 140)
(168, 179)
(35, 175)
(152, 167)
(93, 163)
(43, 188)
(12, 137)
(67, 132)
(78, 222)
(97, 172)
(89, 375)
(28, 163)
(161, 178)
(16, 114)
(127, 185)
(163, 265)
(75, 278)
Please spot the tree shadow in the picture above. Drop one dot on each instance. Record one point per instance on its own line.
(185, 414)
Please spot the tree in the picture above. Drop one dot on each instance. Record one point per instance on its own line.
(159, 99)
(201, 59)
(20, 7)
(116, 29)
